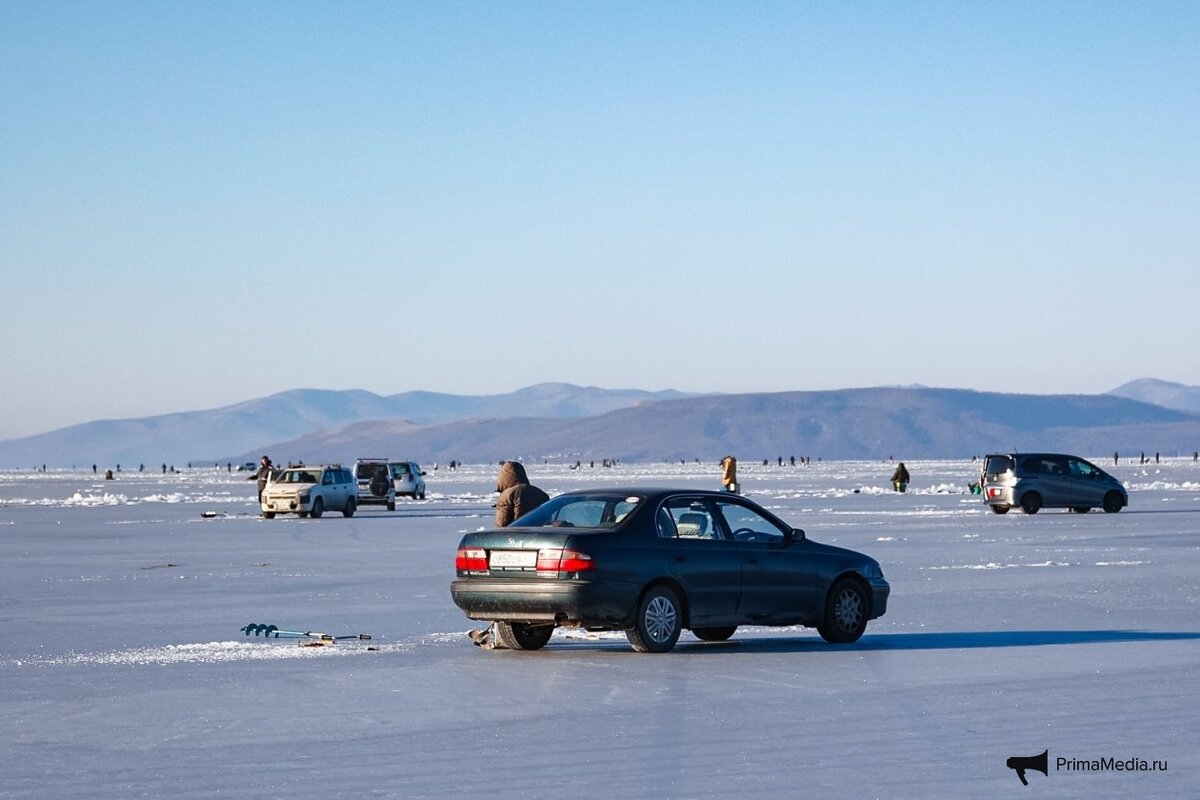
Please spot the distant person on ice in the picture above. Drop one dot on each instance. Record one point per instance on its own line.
(517, 496)
(729, 474)
(262, 476)
(900, 478)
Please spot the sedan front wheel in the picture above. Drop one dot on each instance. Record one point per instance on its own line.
(845, 613)
(657, 624)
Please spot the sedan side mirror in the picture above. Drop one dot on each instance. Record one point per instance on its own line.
(796, 535)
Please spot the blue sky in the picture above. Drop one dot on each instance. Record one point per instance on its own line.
(205, 203)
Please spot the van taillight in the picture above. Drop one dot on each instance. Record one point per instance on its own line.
(556, 559)
(471, 559)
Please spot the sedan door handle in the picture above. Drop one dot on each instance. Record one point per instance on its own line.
(680, 559)
(751, 560)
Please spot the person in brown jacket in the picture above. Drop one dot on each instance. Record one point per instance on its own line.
(517, 496)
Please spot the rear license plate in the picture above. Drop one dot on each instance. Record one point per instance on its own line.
(513, 559)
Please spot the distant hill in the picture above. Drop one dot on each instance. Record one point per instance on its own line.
(567, 422)
(1162, 393)
(907, 423)
(179, 438)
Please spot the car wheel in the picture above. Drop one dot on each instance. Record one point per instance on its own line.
(351, 506)
(318, 508)
(422, 494)
(1031, 503)
(268, 515)
(1113, 502)
(845, 613)
(1081, 509)
(302, 514)
(720, 634)
(391, 505)
(379, 486)
(519, 636)
(657, 623)
(1000, 509)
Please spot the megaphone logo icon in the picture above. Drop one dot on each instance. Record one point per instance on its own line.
(1022, 763)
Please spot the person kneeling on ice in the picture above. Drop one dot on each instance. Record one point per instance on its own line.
(517, 498)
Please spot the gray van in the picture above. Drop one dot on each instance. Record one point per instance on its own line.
(1035, 481)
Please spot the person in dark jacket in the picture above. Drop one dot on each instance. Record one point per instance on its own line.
(517, 495)
(900, 478)
(517, 498)
(262, 476)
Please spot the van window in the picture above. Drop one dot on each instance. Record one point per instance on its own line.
(997, 465)
(1044, 465)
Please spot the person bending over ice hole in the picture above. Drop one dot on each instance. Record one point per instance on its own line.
(517, 498)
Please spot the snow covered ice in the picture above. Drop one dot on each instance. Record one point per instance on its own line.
(124, 672)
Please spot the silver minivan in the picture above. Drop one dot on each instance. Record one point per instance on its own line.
(1035, 481)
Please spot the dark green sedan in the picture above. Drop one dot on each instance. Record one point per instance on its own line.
(652, 562)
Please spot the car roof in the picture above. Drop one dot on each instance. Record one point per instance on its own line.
(652, 492)
(1039, 454)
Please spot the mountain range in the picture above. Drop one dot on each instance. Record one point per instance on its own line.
(565, 422)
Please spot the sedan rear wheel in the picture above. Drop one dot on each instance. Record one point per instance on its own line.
(1000, 509)
(657, 624)
(845, 613)
(719, 634)
(519, 636)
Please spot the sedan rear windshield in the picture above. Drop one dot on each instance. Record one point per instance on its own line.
(581, 511)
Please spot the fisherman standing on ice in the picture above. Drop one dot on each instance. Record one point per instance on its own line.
(263, 475)
(900, 478)
(517, 498)
(729, 474)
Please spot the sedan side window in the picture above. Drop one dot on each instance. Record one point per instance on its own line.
(691, 520)
(747, 525)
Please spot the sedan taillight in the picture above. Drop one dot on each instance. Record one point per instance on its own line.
(556, 559)
(471, 559)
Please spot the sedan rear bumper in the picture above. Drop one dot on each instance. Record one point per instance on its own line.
(575, 602)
